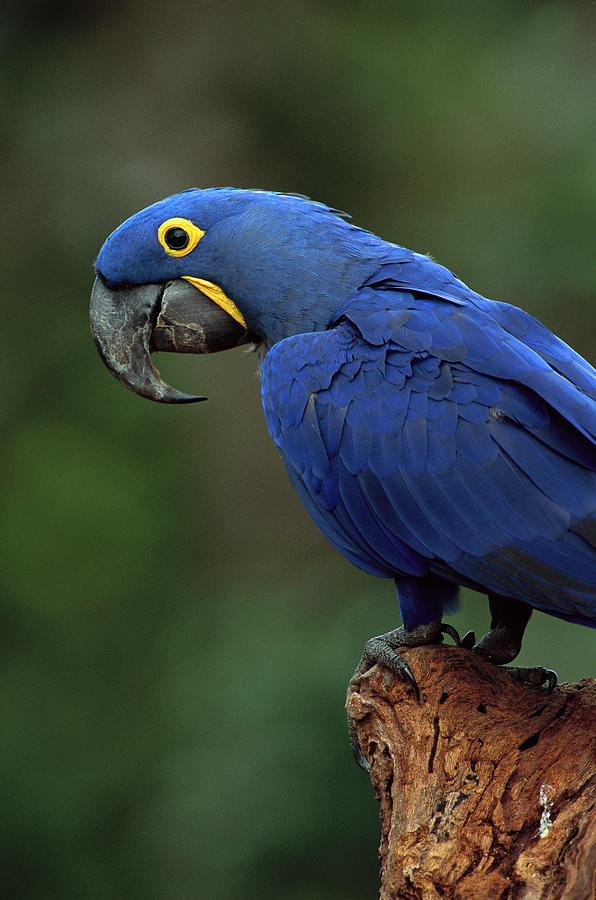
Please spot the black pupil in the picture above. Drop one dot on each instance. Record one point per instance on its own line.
(177, 238)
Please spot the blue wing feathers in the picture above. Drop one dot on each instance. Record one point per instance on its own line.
(562, 358)
(561, 480)
(310, 434)
(475, 444)
(435, 431)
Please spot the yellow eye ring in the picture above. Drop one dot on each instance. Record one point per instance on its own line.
(179, 236)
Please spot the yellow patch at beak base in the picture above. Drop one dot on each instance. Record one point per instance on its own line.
(216, 294)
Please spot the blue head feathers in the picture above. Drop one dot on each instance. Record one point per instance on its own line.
(286, 262)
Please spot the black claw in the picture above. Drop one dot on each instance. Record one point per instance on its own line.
(468, 640)
(361, 760)
(551, 680)
(359, 756)
(450, 630)
(410, 677)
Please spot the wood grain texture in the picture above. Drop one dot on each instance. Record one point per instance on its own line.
(487, 787)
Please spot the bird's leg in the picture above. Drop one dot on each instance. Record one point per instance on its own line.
(503, 641)
(382, 649)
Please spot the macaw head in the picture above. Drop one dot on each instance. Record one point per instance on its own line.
(206, 270)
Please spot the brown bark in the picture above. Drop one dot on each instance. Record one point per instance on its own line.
(487, 787)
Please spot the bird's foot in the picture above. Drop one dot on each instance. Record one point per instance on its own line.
(537, 675)
(500, 646)
(382, 649)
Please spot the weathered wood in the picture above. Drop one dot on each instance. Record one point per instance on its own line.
(487, 787)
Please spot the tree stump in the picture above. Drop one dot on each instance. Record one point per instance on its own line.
(487, 787)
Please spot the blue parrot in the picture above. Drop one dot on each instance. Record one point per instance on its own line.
(436, 437)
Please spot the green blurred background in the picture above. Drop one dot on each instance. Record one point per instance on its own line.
(176, 636)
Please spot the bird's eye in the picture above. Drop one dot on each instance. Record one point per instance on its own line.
(179, 236)
(176, 238)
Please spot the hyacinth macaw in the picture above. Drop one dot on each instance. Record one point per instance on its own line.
(435, 437)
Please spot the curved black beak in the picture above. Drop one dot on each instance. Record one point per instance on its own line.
(128, 324)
